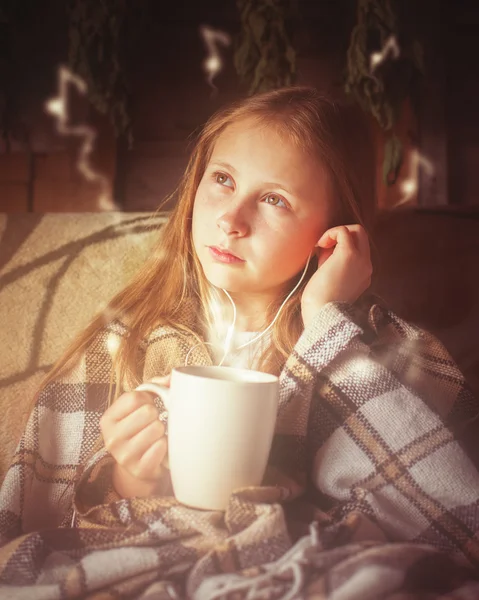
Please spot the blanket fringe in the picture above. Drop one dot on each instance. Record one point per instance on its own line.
(265, 585)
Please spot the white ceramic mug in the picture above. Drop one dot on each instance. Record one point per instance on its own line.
(221, 423)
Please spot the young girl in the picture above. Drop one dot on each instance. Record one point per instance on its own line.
(269, 226)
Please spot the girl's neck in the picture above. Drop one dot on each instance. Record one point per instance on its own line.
(248, 323)
(251, 311)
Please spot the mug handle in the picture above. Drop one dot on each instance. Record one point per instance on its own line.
(160, 390)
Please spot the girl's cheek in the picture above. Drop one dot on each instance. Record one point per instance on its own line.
(208, 195)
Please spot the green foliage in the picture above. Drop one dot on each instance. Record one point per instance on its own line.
(264, 56)
(95, 36)
(382, 91)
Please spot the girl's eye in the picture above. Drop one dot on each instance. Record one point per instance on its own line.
(221, 178)
(275, 200)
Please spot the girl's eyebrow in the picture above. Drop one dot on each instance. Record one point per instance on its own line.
(225, 165)
(228, 167)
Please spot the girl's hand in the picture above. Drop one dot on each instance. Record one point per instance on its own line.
(135, 437)
(344, 270)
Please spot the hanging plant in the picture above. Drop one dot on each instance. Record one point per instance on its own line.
(384, 66)
(95, 38)
(264, 56)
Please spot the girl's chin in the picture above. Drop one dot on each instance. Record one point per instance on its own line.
(237, 285)
(228, 284)
(231, 282)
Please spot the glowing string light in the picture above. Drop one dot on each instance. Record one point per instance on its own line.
(58, 108)
(409, 186)
(213, 64)
(390, 49)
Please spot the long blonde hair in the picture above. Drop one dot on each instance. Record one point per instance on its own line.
(311, 121)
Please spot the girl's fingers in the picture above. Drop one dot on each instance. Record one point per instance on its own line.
(137, 446)
(362, 240)
(127, 404)
(162, 380)
(152, 460)
(323, 254)
(134, 423)
(130, 402)
(352, 237)
(337, 236)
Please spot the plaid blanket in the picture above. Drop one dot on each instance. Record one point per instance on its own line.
(372, 488)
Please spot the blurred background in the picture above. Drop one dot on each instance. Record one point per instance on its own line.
(100, 101)
(410, 65)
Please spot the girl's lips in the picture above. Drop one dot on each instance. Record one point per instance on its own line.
(224, 256)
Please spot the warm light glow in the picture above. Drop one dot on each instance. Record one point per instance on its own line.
(410, 185)
(213, 64)
(390, 49)
(113, 343)
(58, 107)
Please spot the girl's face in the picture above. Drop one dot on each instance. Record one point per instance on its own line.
(259, 210)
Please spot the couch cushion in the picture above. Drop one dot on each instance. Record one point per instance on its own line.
(427, 270)
(56, 272)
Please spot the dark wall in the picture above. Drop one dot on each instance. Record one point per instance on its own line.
(171, 99)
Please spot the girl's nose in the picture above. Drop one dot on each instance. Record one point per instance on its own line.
(234, 222)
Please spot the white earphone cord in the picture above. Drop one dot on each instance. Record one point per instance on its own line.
(230, 331)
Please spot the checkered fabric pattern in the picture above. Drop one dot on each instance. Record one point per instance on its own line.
(372, 488)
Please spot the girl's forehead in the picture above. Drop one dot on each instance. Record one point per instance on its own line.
(257, 126)
(247, 135)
